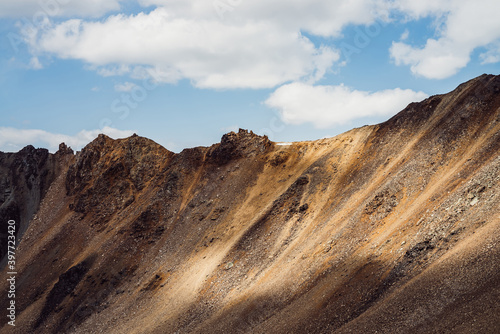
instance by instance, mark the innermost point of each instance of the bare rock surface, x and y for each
(25, 177)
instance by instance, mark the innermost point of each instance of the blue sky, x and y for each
(185, 72)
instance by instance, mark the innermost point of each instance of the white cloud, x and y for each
(466, 25)
(257, 44)
(12, 139)
(326, 106)
(423, 8)
(405, 35)
(210, 53)
(110, 71)
(492, 55)
(318, 17)
(125, 87)
(254, 44)
(437, 60)
(38, 9)
(35, 64)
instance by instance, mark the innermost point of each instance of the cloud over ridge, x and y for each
(326, 106)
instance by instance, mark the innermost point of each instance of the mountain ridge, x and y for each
(390, 227)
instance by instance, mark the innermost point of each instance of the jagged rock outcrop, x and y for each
(105, 176)
(391, 228)
(25, 177)
(236, 145)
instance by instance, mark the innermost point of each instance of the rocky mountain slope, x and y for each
(392, 228)
(25, 177)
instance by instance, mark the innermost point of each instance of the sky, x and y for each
(184, 72)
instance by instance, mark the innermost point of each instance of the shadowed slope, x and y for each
(25, 177)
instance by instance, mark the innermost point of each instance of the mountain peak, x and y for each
(239, 144)
(476, 100)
